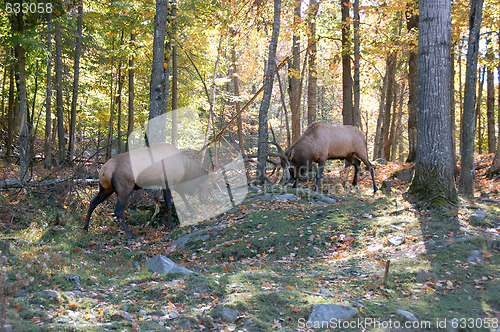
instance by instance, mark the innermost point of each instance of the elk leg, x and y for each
(167, 196)
(373, 177)
(355, 162)
(101, 197)
(321, 165)
(119, 210)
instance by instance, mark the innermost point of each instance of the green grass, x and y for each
(271, 261)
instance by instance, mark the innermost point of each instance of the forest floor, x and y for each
(261, 266)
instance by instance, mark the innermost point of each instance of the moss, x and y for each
(433, 183)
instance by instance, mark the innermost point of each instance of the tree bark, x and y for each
(131, 90)
(412, 27)
(156, 97)
(356, 88)
(490, 106)
(452, 114)
(294, 74)
(24, 153)
(236, 87)
(61, 140)
(433, 179)
(466, 182)
(118, 102)
(377, 146)
(10, 111)
(48, 97)
(266, 99)
(74, 101)
(313, 74)
(347, 104)
(175, 82)
(109, 144)
(478, 111)
(389, 97)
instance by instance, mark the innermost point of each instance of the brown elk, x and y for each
(321, 142)
(159, 165)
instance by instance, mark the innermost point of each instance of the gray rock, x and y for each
(142, 312)
(229, 315)
(74, 279)
(405, 175)
(381, 161)
(326, 313)
(48, 293)
(196, 236)
(407, 315)
(476, 257)
(5, 248)
(285, 197)
(327, 199)
(173, 314)
(161, 264)
(478, 215)
(7, 328)
(396, 240)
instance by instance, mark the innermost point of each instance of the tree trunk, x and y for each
(313, 74)
(48, 98)
(24, 153)
(10, 111)
(236, 86)
(347, 106)
(391, 77)
(266, 99)
(357, 92)
(478, 111)
(294, 74)
(452, 114)
(2, 119)
(377, 146)
(131, 90)
(495, 165)
(175, 82)
(61, 140)
(109, 141)
(433, 179)
(175, 97)
(283, 104)
(156, 97)
(118, 102)
(412, 27)
(466, 182)
(490, 107)
(74, 101)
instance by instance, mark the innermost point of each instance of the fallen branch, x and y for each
(9, 184)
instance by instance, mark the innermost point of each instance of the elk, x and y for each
(146, 167)
(321, 142)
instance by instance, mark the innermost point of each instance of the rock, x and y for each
(186, 325)
(7, 328)
(123, 314)
(48, 293)
(476, 257)
(325, 292)
(327, 199)
(21, 293)
(381, 161)
(74, 279)
(173, 314)
(407, 315)
(405, 175)
(161, 264)
(327, 313)
(396, 240)
(229, 315)
(285, 197)
(5, 248)
(191, 238)
(478, 215)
